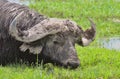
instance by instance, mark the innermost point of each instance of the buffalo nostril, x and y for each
(73, 64)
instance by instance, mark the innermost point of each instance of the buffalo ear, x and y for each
(32, 49)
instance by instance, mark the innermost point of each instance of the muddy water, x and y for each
(110, 43)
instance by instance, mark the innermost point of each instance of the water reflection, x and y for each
(110, 43)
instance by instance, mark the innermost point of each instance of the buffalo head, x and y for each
(54, 38)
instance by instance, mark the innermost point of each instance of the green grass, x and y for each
(96, 62)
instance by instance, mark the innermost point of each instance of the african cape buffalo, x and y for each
(27, 36)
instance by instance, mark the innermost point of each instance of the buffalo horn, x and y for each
(35, 33)
(88, 35)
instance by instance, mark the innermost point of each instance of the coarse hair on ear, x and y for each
(32, 49)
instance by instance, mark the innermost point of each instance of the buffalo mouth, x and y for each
(68, 64)
(73, 64)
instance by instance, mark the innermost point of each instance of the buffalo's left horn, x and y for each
(36, 32)
(88, 35)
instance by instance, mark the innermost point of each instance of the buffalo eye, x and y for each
(60, 43)
(55, 42)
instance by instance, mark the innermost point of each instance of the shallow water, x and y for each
(110, 43)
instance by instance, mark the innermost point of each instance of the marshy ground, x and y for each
(97, 61)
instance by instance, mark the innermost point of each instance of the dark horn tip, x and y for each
(92, 31)
(93, 25)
